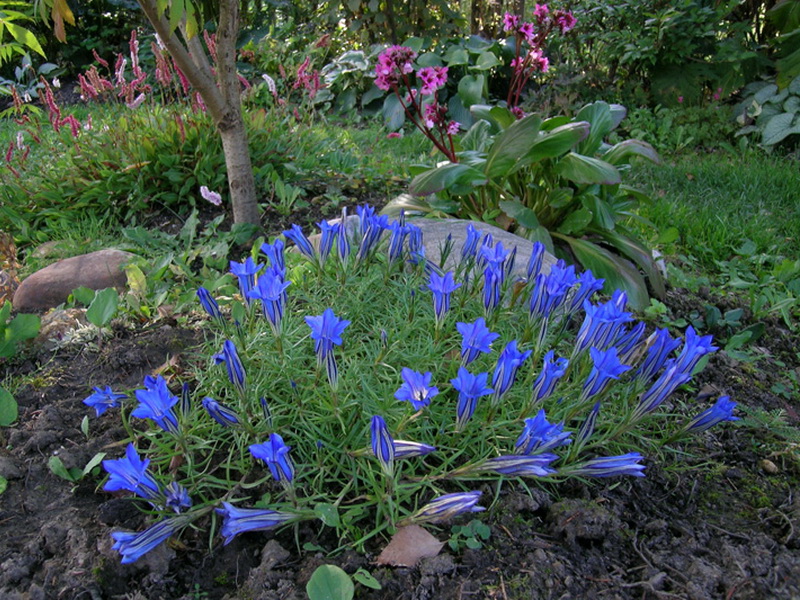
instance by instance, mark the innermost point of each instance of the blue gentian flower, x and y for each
(475, 338)
(327, 237)
(221, 413)
(492, 287)
(446, 507)
(276, 454)
(416, 250)
(627, 343)
(245, 273)
(470, 387)
(185, 402)
(587, 286)
(416, 388)
(397, 238)
(178, 498)
(493, 256)
(382, 444)
(534, 266)
(275, 256)
(103, 399)
(694, 348)
(132, 546)
(601, 325)
(406, 449)
(366, 213)
(660, 346)
(156, 402)
(271, 290)
(508, 265)
(550, 291)
(670, 380)
(605, 368)
(610, 466)
(520, 465)
(721, 411)
(442, 287)
(552, 371)
(130, 473)
(587, 428)
(301, 241)
(209, 304)
(372, 227)
(470, 247)
(343, 239)
(265, 411)
(539, 435)
(240, 520)
(326, 331)
(505, 372)
(230, 357)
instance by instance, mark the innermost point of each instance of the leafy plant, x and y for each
(14, 38)
(555, 181)
(772, 113)
(14, 331)
(472, 535)
(27, 77)
(9, 411)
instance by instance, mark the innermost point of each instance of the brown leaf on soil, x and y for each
(408, 546)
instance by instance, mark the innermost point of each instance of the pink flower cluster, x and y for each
(393, 64)
(432, 78)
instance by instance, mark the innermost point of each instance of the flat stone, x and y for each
(51, 286)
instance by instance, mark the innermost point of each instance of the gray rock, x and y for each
(50, 286)
(435, 232)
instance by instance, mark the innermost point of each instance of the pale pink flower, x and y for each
(136, 103)
(453, 127)
(56, 83)
(213, 197)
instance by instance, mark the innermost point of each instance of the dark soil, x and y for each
(722, 522)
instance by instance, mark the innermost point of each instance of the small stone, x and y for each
(768, 466)
(51, 286)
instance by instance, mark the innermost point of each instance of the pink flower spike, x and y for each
(213, 197)
(510, 22)
(565, 20)
(453, 127)
(540, 11)
(528, 31)
(137, 102)
(680, 99)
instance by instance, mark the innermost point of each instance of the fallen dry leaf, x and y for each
(408, 546)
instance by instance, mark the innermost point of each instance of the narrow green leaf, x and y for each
(96, 460)
(366, 579)
(520, 213)
(511, 145)
(620, 153)
(444, 177)
(556, 142)
(329, 582)
(57, 467)
(4, 486)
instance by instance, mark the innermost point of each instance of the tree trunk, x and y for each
(221, 97)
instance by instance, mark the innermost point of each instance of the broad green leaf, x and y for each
(778, 128)
(103, 307)
(3, 484)
(57, 467)
(415, 43)
(394, 114)
(553, 122)
(189, 229)
(329, 582)
(445, 177)
(636, 251)
(456, 55)
(617, 271)
(561, 197)
(23, 327)
(24, 37)
(587, 170)
(470, 88)
(5, 312)
(576, 222)
(598, 114)
(540, 234)
(176, 11)
(604, 216)
(557, 142)
(486, 61)
(328, 514)
(459, 112)
(371, 94)
(429, 59)
(137, 282)
(478, 136)
(520, 213)
(9, 411)
(363, 577)
(619, 153)
(499, 117)
(408, 203)
(511, 145)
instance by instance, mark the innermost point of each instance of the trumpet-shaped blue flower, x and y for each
(587, 428)
(240, 520)
(343, 239)
(605, 368)
(492, 287)
(221, 413)
(442, 287)
(276, 454)
(670, 380)
(446, 507)
(552, 371)
(534, 266)
(416, 388)
(518, 465)
(185, 401)
(601, 325)
(611, 466)
(326, 331)
(157, 403)
(539, 435)
(130, 473)
(406, 449)
(397, 238)
(301, 241)
(103, 399)
(627, 343)
(132, 546)
(505, 372)
(326, 239)
(382, 444)
(475, 338)
(271, 290)
(550, 291)
(275, 256)
(721, 411)
(493, 256)
(233, 364)
(178, 498)
(470, 387)
(209, 304)
(694, 348)
(660, 346)
(470, 248)
(372, 227)
(587, 286)
(245, 273)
